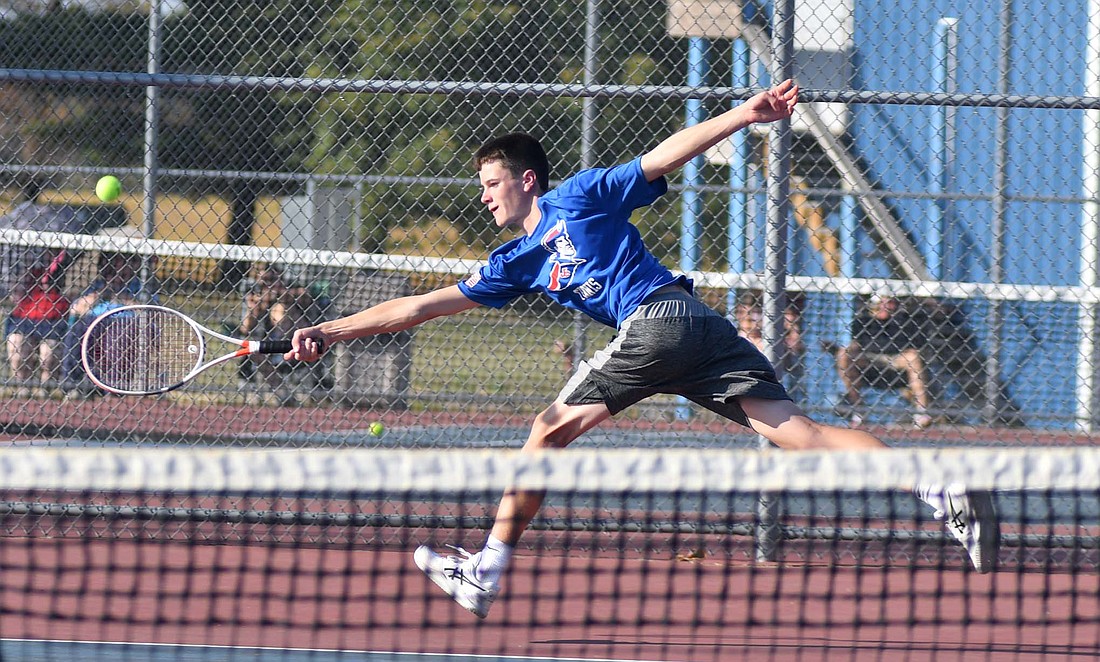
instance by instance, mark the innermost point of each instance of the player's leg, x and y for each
(784, 424)
(627, 370)
(473, 580)
(968, 515)
(556, 427)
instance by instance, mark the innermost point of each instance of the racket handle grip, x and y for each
(274, 347)
(282, 347)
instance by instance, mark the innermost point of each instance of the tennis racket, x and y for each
(146, 350)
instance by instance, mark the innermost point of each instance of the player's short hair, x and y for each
(518, 153)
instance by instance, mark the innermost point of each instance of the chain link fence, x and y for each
(933, 271)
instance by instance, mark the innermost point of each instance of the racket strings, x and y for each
(143, 350)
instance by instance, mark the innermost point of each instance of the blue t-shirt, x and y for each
(585, 254)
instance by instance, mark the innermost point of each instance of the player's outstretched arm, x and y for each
(387, 317)
(679, 148)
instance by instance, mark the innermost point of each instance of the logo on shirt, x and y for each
(589, 289)
(564, 260)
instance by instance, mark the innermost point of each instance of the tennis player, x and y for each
(579, 248)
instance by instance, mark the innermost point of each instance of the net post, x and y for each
(767, 532)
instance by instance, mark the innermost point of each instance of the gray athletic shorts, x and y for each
(675, 344)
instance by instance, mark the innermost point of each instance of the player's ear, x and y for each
(531, 182)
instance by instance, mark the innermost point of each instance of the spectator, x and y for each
(37, 322)
(118, 284)
(749, 313)
(272, 310)
(887, 342)
(565, 349)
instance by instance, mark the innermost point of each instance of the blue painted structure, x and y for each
(902, 150)
(896, 46)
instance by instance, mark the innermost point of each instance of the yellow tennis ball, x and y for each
(376, 429)
(108, 188)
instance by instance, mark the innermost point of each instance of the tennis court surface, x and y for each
(295, 554)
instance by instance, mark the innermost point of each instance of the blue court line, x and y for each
(37, 650)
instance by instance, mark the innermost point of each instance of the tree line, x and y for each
(342, 134)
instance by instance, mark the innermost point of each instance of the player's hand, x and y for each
(775, 104)
(307, 345)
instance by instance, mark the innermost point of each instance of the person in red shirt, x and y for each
(37, 322)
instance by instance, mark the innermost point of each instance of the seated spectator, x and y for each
(118, 284)
(887, 342)
(749, 313)
(37, 322)
(565, 349)
(272, 310)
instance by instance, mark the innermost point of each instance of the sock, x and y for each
(494, 559)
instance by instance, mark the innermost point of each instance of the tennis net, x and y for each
(652, 555)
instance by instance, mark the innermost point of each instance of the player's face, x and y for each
(507, 196)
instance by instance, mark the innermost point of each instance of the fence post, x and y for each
(692, 206)
(1089, 269)
(152, 144)
(940, 161)
(775, 247)
(738, 215)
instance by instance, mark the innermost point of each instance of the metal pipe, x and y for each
(942, 138)
(775, 246)
(152, 122)
(1089, 268)
(993, 405)
(692, 205)
(738, 214)
(589, 113)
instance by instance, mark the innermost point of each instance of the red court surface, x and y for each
(583, 606)
(114, 419)
(579, 605)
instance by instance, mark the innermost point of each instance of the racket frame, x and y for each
(245, 348)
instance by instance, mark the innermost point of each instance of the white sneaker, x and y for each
(458, 578)
(972, 519)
